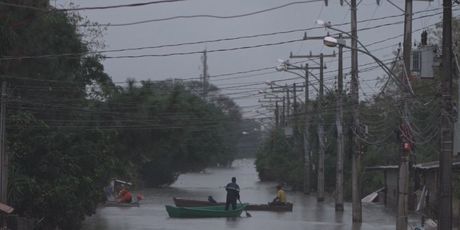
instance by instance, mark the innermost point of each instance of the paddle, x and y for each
(247, 213)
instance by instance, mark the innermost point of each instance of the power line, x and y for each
(89, 8)
(211, 16)
(79, 54)
(166, 54)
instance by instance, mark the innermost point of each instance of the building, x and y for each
(423, 184)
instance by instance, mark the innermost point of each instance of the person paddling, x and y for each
(280, 198)
(233, 194)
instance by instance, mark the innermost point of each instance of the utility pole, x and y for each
(277, 116)
(294, 116)
(445, 158)
(340, 141)
(3, 155)
(205, 74)
(294, 92)
(286, 101)
(306, 144)
(283, 115)
(403, 182)
(357, 157)
(288, 105)
(321, 136)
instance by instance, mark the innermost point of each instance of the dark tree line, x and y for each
(70, 129)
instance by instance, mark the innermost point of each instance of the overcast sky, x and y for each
(244, 87)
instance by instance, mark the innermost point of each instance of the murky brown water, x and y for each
(307, 213)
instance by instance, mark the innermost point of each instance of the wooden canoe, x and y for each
(180, 202)
(270, 207)
(118, 204)
(204, 212)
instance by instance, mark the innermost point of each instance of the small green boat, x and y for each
(206, 211)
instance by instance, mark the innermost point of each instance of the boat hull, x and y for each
(269, 207)
(203, 212)
(179, 202)
(118, 204)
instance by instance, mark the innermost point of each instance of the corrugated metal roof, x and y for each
(421, 166)
(434, 165)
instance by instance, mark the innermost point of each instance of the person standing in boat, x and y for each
(280, 198)
(233, 194)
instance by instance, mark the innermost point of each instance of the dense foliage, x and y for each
(70, 129)
(380, 116)
(169, 130)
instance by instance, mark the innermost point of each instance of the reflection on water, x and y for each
(307, 212)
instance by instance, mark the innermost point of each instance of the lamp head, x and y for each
(330, 41)
(323, 23)
(281, 68)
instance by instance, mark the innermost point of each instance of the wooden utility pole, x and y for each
(3, 155)
(357, 157)
(445, 158)
(340, 141)
(403, 180)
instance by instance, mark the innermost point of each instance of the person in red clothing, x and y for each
(125, 195)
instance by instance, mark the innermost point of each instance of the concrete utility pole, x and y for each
(306, 144)
(445, 158)
(321, 136)
(288, 105)
(403, 180)
(457, 123)
(306, 135)
(205, 74)
(340, 141)
(286, 102)
(3, 155)
(277, 115)
(283, 115)
(357, 157)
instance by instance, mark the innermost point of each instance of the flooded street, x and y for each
(307, 213)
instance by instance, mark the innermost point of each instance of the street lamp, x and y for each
(328, 25)
(333, 42)
(403, 168)
(284, 67)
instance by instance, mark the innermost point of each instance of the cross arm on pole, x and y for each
(310, 55)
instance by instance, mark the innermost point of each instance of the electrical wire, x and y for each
(208, 15)
(88, 8)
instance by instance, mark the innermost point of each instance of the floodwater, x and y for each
(307, 213)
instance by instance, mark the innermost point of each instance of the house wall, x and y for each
(430, 180)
